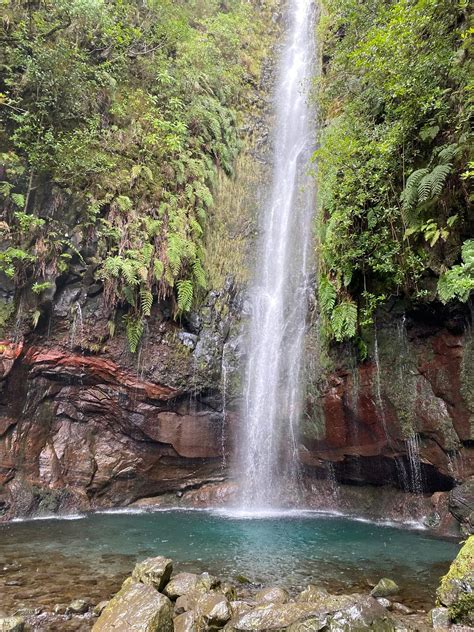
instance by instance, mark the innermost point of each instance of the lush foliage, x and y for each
(115, 118)
(394, 97)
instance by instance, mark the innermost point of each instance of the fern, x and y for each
(344, 321)
(158, 269)
(185, 294)
(448, 153)
(134, 327)
(327, 294)
(438, 178)
(146, 301)
(409, 196)
(199, 274)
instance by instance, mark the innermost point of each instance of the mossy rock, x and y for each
(136, 607)
(456, 591)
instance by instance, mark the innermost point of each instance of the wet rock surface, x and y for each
(137, 607)
(312, 609)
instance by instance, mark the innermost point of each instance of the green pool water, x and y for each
(50, 561)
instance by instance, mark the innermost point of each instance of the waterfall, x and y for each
(268, 459)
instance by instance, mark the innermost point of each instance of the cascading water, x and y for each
(272, 403)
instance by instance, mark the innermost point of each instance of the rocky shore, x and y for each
(155, 599)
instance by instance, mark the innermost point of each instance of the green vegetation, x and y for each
(116, 119)
(394, 98)
(456, 588)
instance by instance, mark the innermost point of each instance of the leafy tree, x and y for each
(394, 96)
(115, 118)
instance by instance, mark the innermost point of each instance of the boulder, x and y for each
(213, 609)
(154, 571)
(275, 616)
(12, 624)
(439, 618)
(456, 591)
(321, 599)
(364, 614)
(136, 607)
(181, 584)
(273, 594)
(185, 622)
(385, 588)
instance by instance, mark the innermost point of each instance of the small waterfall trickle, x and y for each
(416, 476)
(224, 391)
(77, 327)
(268, 459)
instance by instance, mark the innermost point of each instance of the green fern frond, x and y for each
(185, 294)
(344, 321)
(146, 301)
(327, 294)
(134, 327)
(158, 269)
(438, 178)
(199, 274)
(448, 153)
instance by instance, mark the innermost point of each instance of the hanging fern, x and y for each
(185, 295)
(344, 321)
(199, 274)
(134, 327)
(433, 183)
(327, 294)
(146, 301)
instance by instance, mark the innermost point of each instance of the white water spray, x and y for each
(268, 456)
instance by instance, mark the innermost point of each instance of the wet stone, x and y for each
(181, 584)
(154, 571)
(12, 624)
(185, 622)
(136, 607)
(213, 609)
(385, 588)
(439, 618)
(273, 594)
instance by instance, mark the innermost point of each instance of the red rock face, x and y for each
(370, 415)
(82, 431)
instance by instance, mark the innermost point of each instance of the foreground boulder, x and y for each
(213, 609)
(276, 616)
(154, 571)
(12, 624)
(456, 591)
(136, 607)
(364, 614)
(181, 584)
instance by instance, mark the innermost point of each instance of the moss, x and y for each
(456, 590)
(467, 377)
(7, 309)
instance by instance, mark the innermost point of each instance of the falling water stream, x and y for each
(272, 402)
